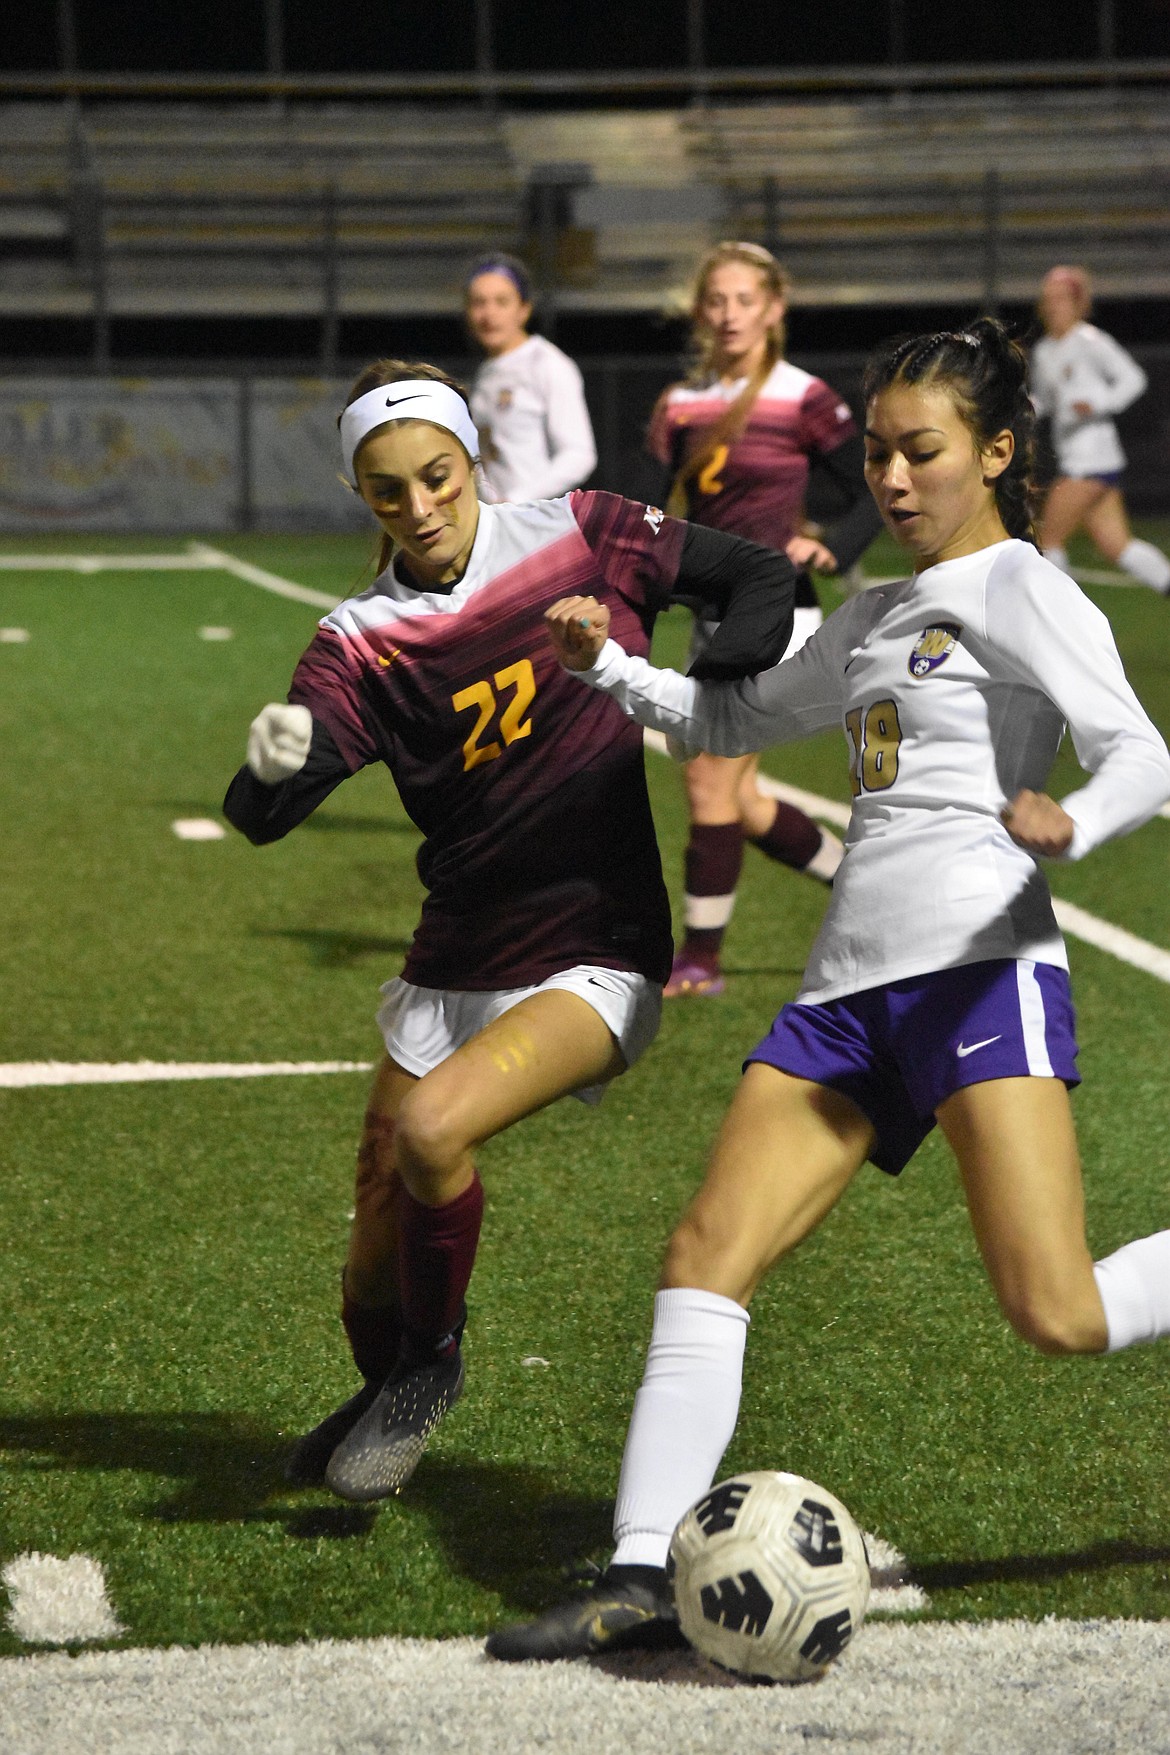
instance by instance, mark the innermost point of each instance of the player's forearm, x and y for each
(1131, 786)
(748, 589)
(720, 717)
(565, 469)
(266, 813)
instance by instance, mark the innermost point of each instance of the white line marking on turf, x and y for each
(198, 829)
(216, 634)
(14, 636)
(1125, 946)
(188, 562)
(22, 1075)
(970, 1688)
(199, 557)
(259, 576)
(58, 1602)
(891, 1589)
(1077, 922)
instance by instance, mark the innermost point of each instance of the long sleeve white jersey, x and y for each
(535, 435)
(1085, 365)
(954, 688)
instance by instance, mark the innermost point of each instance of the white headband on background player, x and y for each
(408, 399)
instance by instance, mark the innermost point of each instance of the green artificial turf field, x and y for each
(171, 1249)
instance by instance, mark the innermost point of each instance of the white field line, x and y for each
(58, 1602)
(260, 576)
(198, 557)
(892, 1591)
(188, 562)
(1077, 922)
(22, 1075)
(969, 1688)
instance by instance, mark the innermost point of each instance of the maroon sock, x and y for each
(374, 1333)
(436, 1253)
(792, 839)
(711, 867)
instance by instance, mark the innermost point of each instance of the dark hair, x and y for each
(501, 263)
(379, 372)
(985, 373)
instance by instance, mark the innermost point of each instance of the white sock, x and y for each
(1142, 561)
(683, 1419)
(1134, 1284)
(826, 859)
(706, 913)
(1059, 558)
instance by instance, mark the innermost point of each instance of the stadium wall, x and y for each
(233, 453)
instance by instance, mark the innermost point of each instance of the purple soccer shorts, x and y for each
(899, 1050)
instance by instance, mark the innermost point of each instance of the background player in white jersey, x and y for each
(734, 445)
(537, 966)
(528, 398)
(937, 989)
(1081, 377)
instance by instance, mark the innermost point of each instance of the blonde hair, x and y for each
(729, 426)
(1077, 280)
(777, 285)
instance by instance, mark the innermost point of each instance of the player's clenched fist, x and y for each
(278, 742)
(578, 628)
(1038, 824)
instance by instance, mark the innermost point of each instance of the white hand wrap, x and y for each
(278, 742)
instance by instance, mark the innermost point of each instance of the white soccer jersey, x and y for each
(1085, 365)
(535, 435)
(953, 688)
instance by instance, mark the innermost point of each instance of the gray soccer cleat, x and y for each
(381, 1452)
(626, 1607)
(308, 1459)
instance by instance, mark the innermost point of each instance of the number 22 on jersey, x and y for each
(874, 736)
(483, 698)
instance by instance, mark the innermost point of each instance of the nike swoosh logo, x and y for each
(396, 401)
(608, 986)
(963, 1050)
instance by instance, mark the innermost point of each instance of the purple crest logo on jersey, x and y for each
(933, 647)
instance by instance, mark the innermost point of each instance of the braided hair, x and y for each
(985, 374)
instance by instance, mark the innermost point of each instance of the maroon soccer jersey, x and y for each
(540, 850)
(756, 485)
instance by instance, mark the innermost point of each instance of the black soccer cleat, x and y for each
(627, 1608)
(382, 1450)
(308, 1459)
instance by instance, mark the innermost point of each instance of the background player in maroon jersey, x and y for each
(736, 441)
(537, 964)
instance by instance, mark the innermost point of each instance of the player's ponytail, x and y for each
(374, 377)
(985, 373)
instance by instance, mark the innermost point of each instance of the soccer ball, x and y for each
(771, 1577)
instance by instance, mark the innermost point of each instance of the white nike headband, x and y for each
(408, 399)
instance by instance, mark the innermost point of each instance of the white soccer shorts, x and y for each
(422, 1026)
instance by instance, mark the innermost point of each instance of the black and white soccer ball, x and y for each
(771, 1577)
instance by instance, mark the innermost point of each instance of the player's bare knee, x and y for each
(710, 1258)
(429, 1144)
(1053, 1328)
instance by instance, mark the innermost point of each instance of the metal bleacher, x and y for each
(948, 195)
(246, 209)
(328, 209)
